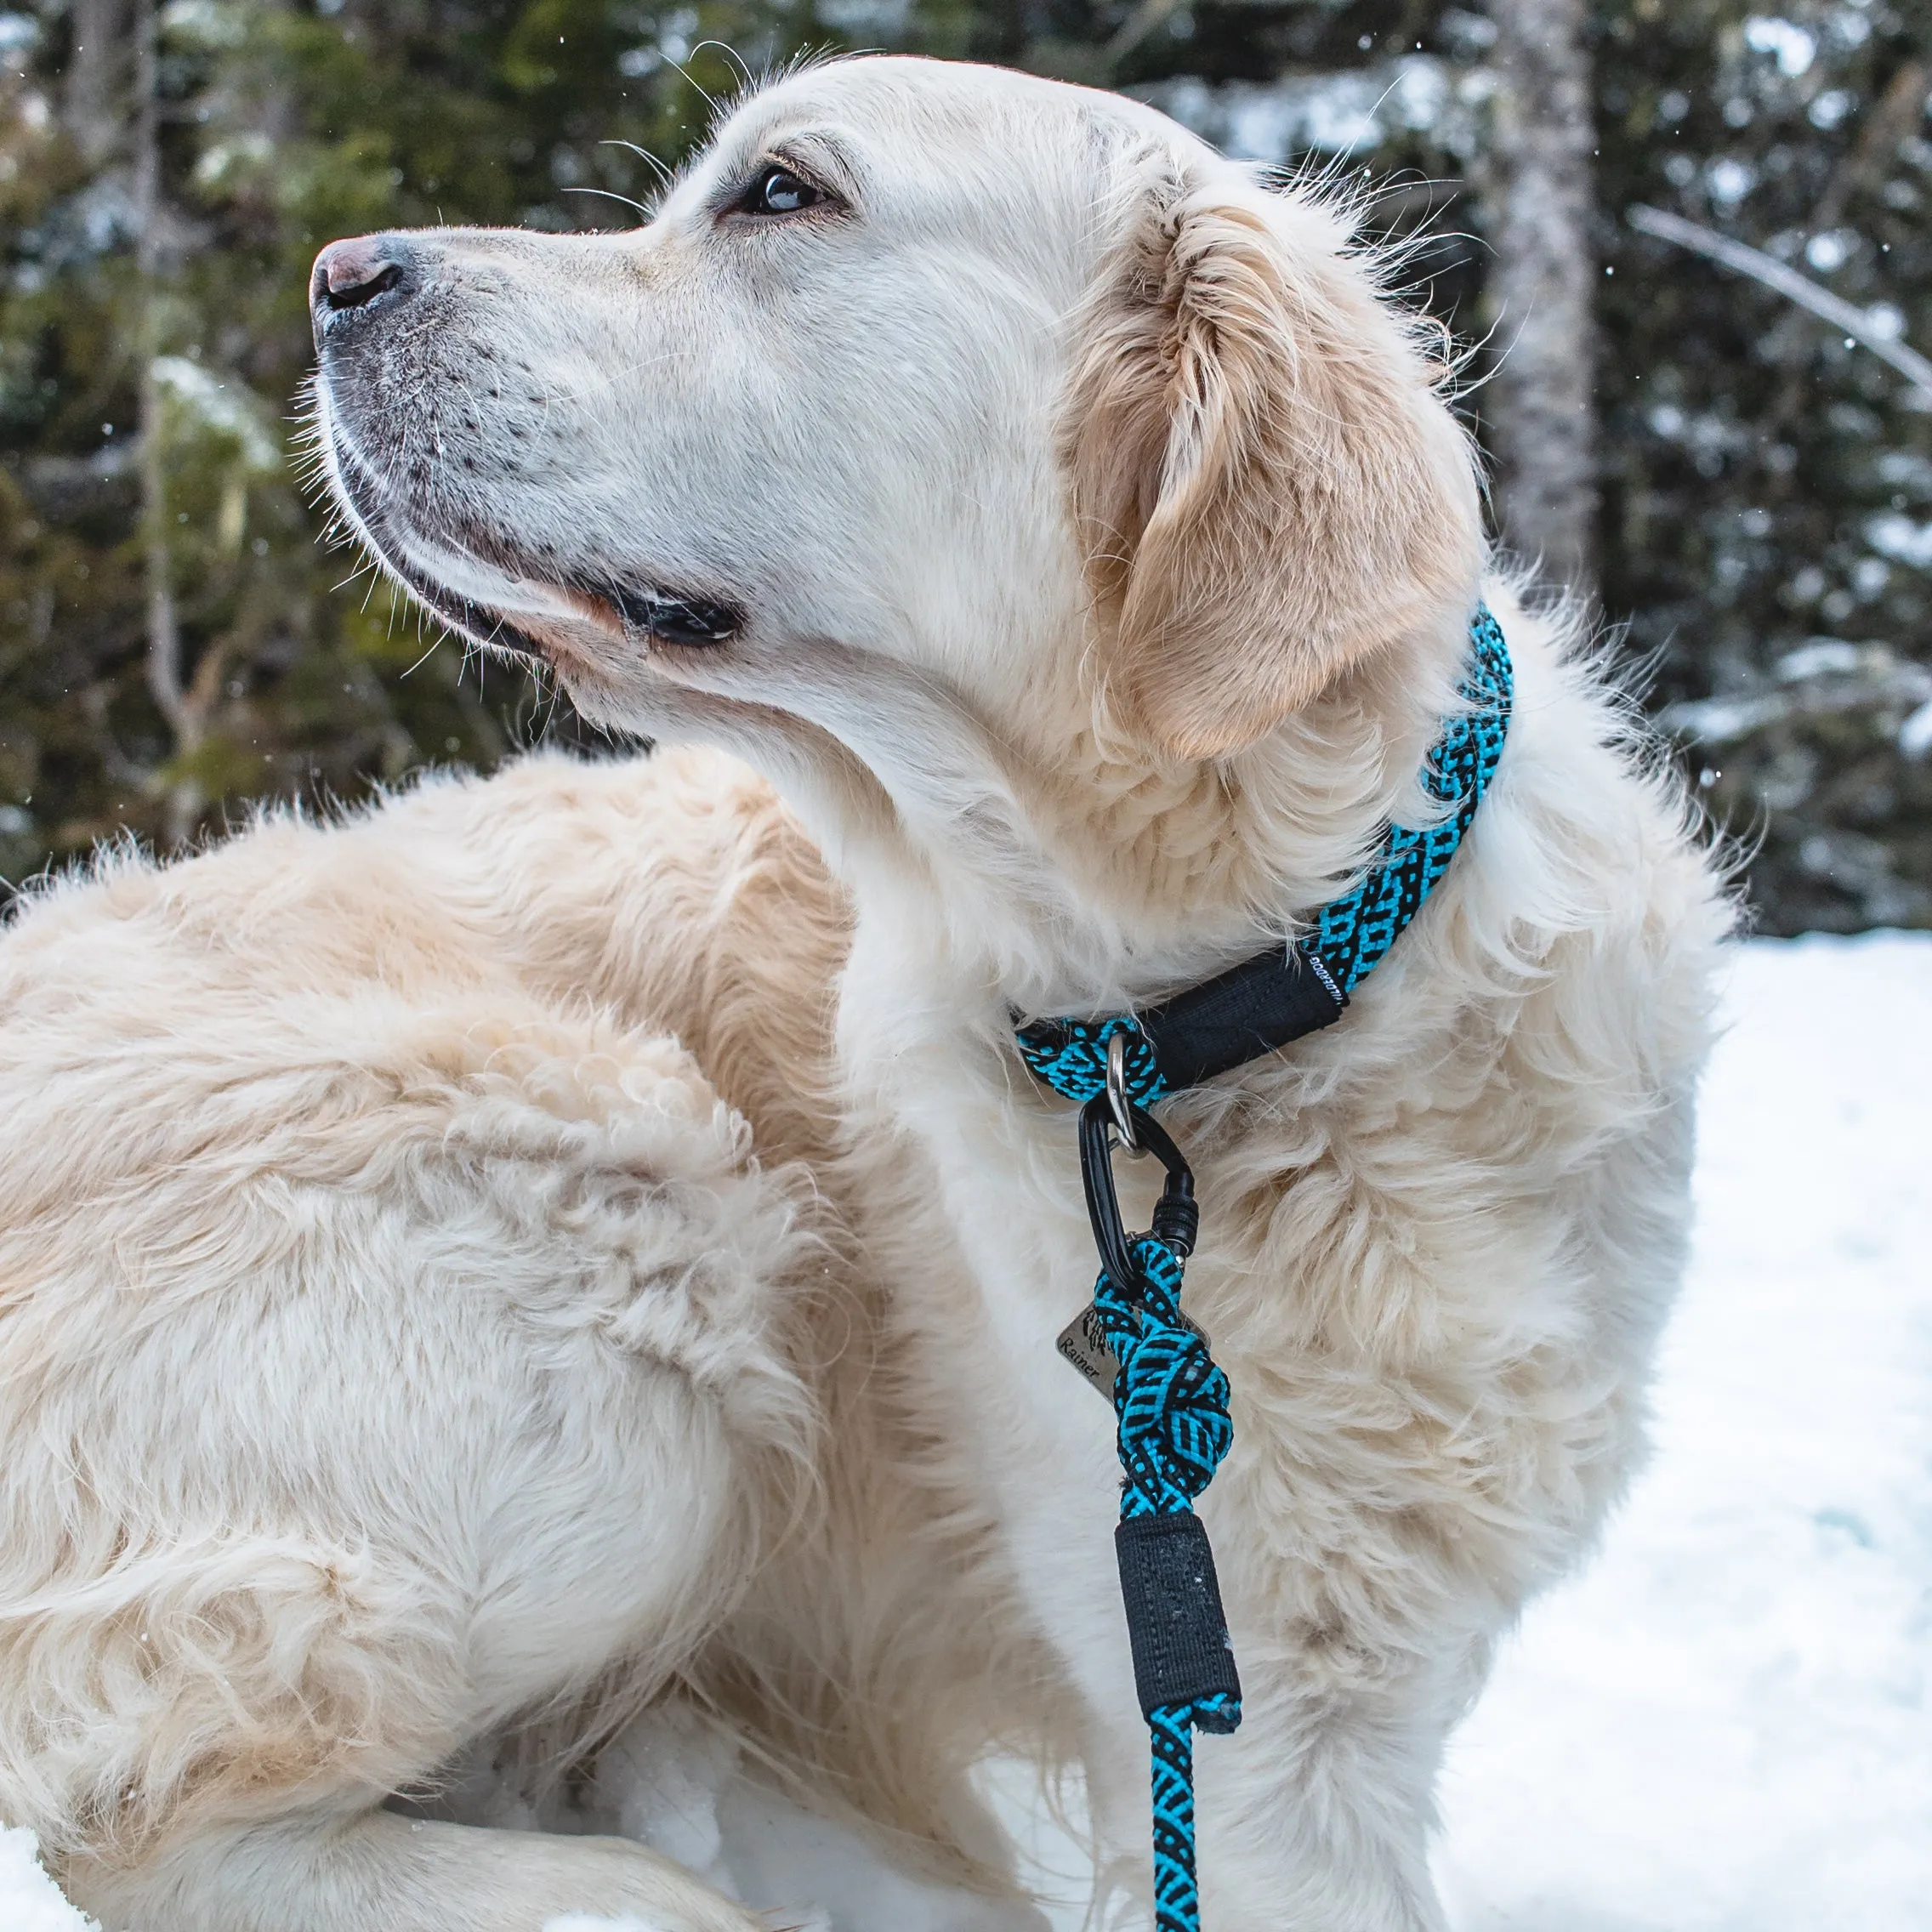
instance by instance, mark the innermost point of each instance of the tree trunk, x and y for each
(175, 702)
(1539, 406)
(95, 97)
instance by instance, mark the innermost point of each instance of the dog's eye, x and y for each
(778, 190)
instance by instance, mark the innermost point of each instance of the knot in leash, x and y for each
(1169, 1397)
(1171, 1405)
(1173, 1430)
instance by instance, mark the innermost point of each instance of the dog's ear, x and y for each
(1266, 487)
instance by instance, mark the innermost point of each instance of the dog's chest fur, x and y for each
(1437, 1240)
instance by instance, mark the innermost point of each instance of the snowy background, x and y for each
(1725, 1724)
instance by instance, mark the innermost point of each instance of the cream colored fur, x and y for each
(430, 1320)
(1105, 553)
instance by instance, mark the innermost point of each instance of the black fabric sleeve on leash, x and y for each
(1174, 1619)
(1251, 1009)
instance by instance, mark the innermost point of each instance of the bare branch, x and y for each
(1879, 681)
(1793, 286)
(1145, 19)
(1887, 124)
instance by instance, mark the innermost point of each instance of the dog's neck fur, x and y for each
(1052, 863)
(1184, 865)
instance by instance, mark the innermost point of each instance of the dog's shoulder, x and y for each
(643, 901)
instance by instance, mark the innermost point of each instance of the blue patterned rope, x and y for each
(1077, 1064)
(1170, 1399)
(1172, 1429)
(1353, 933)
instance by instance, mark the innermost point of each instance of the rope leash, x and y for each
(1172, 1402)
(1172, 1430)
(1133, 1343)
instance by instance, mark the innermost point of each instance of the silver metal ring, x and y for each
(1119, 1103)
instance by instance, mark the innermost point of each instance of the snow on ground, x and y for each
(30, 1901)
(1725, 1724)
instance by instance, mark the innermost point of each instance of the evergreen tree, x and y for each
(172, 642)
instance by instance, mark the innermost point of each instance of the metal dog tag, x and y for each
(1083, 1342)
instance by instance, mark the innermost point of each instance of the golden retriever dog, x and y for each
(1073, 533)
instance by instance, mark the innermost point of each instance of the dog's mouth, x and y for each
(544, 616)
(490, 628)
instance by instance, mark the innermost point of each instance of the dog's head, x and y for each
(943, 421)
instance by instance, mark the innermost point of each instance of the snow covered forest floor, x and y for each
(1725, 1724)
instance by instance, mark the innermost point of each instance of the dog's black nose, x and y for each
(359, 277)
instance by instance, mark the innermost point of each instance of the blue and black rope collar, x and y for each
(1170, 1400)
(1281, 995)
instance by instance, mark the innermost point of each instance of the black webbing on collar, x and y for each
(1251, 1009)
(1264, 1002)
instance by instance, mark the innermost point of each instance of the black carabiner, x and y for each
(1176, 1218)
